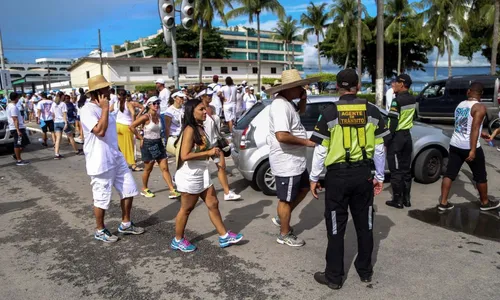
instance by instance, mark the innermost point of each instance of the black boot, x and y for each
(407, 194)
(397, 201)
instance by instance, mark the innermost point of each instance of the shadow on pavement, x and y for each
(18, 205)
(311, 215)
(165, 214)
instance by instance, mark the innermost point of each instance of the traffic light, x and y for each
(187, 11)
(167, 12)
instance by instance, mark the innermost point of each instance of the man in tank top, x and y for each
(465, 147)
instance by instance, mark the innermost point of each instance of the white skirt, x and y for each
(193, 177)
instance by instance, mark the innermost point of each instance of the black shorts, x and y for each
(25, 139)
(48, 126)
(288, 188)
(457, 159)
(153, 150)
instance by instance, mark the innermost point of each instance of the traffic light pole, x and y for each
(174, 57)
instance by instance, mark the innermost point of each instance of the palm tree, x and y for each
(446, 20)
(379, 89)
(316, 20)
(253, 8)
(359, 40)
(490, 14)
(345, 15)
(204, 15)
(402, 12)
(287, 31)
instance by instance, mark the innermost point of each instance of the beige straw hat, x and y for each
(290, 79)
(98, 82)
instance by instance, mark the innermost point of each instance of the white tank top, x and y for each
(125, 117)
(463, 125)
(152, 131)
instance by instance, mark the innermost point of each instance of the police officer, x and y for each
(349, 139)
(400, 146)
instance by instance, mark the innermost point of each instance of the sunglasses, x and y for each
(156, 103)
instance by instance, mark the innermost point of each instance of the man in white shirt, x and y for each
(240, 103)
(249, 98)
(105, 164)
(229, 91)
(45, 118)
(389, 96)
(164, 96)
(17, 128)
(217, 94)
(113, 99)
(287, 156)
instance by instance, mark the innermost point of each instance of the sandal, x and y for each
(136, 169)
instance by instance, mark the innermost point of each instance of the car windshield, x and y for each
(248, 116)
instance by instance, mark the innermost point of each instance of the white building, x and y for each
(128, 72)
(33, 75)
(242, 43)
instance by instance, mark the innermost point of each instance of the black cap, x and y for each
(347, 79)
(404, 78)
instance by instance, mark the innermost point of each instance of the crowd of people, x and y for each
(351, 140)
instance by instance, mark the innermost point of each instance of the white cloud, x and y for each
(456, 60)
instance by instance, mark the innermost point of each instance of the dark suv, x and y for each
(439, 99)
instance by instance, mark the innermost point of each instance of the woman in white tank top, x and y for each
(152, 147)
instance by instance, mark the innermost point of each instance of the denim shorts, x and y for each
(59, 126)
(153, 150)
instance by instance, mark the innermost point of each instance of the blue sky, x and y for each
(72, 25)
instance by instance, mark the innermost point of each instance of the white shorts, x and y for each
(119, 177)
(229, 113)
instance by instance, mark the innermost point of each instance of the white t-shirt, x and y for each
(58, 110)
(250, 100)
(101, 153)
(389, 96)
(45, 106)
(13, 111)
(216, 102)
(286, 160)
(113, 99)
(229, 94)
(176, 115)
(164, 96)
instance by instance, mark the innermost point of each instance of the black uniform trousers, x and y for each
(399, 160)
(350, 187)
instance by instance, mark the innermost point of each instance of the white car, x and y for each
(5, 139)
(251, 151)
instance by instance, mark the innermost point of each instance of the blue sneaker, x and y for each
(183, 245)
(105, 236)
(232, 238)
(132, 229)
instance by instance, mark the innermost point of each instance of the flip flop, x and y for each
(136, 169)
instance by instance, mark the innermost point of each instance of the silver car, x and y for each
(5, 139)
(251, 151)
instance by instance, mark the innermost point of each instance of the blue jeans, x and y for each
(163, 131)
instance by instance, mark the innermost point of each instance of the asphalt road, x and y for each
(48, 251)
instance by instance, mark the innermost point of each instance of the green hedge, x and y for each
(145, 87)
(369, 97)
(324, 77)
(268, 80)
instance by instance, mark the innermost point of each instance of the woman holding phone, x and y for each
(193, 178)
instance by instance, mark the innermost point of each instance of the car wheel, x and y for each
(494, 124)
(265, 180)
(428, 166)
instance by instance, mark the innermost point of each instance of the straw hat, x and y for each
(290, 79)
(98, 82)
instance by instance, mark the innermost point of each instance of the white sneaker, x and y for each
(231, 196)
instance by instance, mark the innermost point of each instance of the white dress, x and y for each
(193, 176)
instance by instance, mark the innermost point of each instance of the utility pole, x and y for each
(100, 49)
(48, 76)
(379, 83)
(2, 58)
(174, 58)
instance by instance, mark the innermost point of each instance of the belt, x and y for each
(403, 130)
(350, 165)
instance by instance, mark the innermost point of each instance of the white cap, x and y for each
(160, 81)
(208, 92)
(183, 89)
(179, 94)
(152, 100)
(252, 88)
(244, 82)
